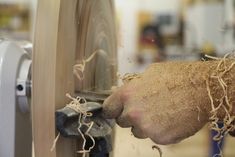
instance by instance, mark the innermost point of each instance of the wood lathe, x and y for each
(66, 33)
(15, 94)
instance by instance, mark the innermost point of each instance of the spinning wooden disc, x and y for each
(67, 33)
(96, 36)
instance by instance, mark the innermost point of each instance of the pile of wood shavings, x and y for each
(224, 103)
(77, 104)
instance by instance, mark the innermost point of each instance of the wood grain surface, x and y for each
(66, 33)
(97, 33)
(53, 59)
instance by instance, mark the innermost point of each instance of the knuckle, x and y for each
(124, 96)
(133, 115)
(112, 107)
(125, 93)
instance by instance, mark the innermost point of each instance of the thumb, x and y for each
(112, 106)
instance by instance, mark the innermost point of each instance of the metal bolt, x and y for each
(20, 87)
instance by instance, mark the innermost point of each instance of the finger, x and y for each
(232, 132)
(138, 133)
(112, 106)
(124, 121)
(131, 116)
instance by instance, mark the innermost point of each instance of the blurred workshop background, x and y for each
(152, 31)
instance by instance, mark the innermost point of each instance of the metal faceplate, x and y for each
(15, 130)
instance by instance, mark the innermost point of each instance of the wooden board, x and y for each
(53, 59)
(64, 35)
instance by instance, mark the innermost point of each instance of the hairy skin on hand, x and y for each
(168, 102)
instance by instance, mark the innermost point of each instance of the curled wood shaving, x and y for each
(158, 149)
(212, 57)
(128, 77)
(55, 142)
(77, 104)
(78, 69)
(224, 103)
(199, 111)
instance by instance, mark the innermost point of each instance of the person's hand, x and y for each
(166, 103)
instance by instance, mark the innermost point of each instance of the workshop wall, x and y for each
(127, 13)
(211, 23)
(18, 19)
